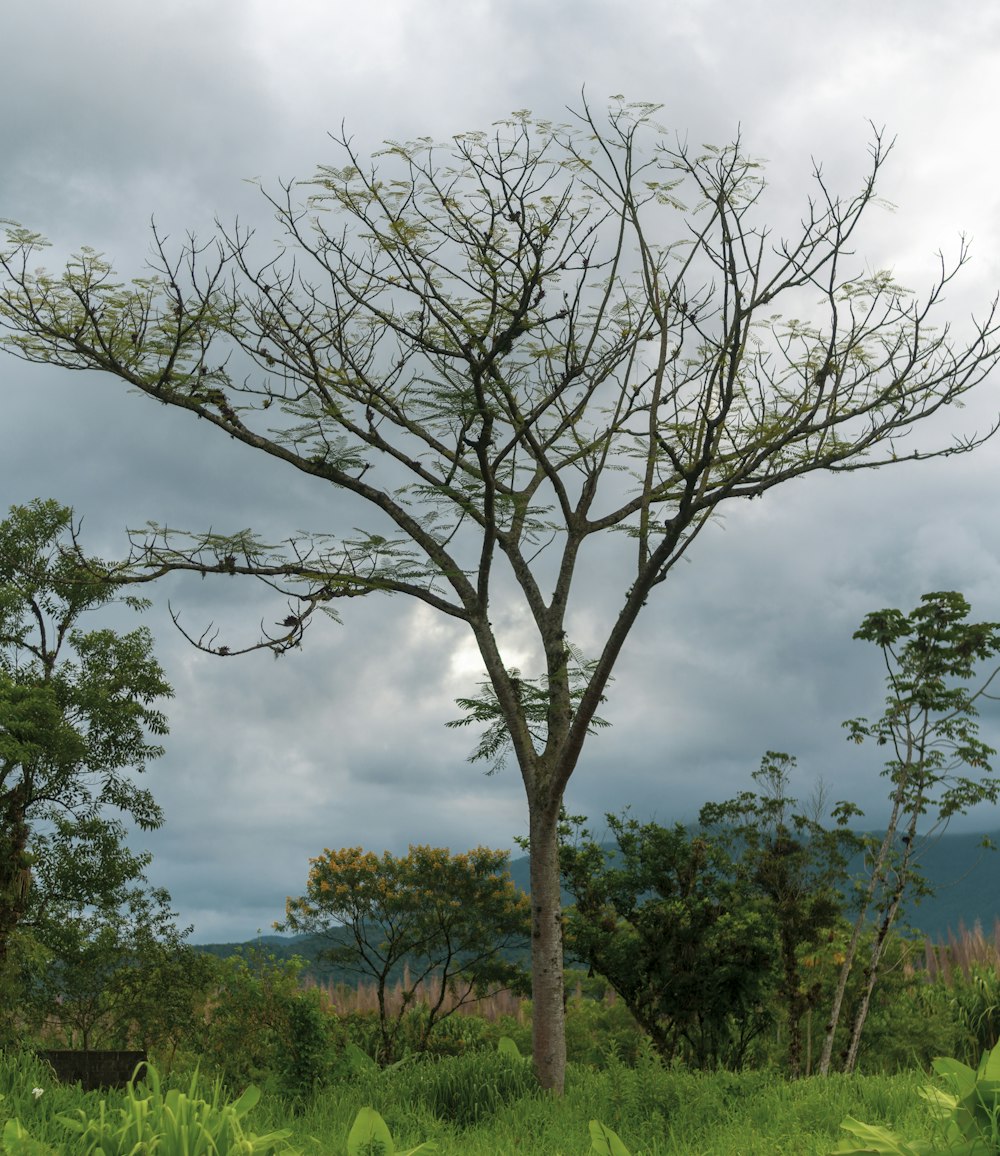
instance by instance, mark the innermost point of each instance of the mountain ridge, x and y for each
(964, 876)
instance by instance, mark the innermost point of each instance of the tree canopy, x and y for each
(447, 919)
(78, 716)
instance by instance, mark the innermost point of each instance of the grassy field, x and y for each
(315, 1073)
(484, 1105)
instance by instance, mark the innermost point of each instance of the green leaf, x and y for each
(17, 1141)
(358, 1060)
(875, 1139)
(369, 1135)
(605, 1142)
(247, 1101)
(942, 1104)
(507, 1047)
(959, 1077)
(989, 1069)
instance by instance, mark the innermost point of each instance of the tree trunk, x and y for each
(871, 975)
(875, 884)
(548, 1018)
(15, 874)
(793, 1010)
(879, 945)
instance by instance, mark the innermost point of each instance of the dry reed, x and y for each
(345, 998)
(962, 952)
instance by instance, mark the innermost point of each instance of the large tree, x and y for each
(504, 349)
(668, 919)
(77, 712)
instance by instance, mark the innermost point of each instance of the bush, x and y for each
(262, 1028)
(460, 1090)
(595, 1026)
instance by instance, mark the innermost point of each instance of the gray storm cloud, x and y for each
(129, 111)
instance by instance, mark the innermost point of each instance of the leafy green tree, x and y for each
(76, 712)
(262, 1026)
(119, 974)
(799, 868)
(931, 656)
(447, 918)
(502, 350)
(666, 919)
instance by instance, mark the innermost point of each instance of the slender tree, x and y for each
(504, 348)
(931, 656)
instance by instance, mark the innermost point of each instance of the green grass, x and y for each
(484, 1105)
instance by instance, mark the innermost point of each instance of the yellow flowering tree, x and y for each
(431, 924)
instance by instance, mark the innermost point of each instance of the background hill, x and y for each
(965, 878)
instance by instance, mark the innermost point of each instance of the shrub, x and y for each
(461, 1090)
(263, 1028)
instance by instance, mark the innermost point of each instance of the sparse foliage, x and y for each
(504, 348)
(932, 655)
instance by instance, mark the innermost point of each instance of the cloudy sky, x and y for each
(119, 111)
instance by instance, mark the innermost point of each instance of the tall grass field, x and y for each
(270, 1064)
(484, 1104)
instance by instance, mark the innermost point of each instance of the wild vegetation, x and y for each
(452, 917)
(714, 954)
(470, 1093)
(79, 720)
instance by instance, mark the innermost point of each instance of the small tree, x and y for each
(119, 974)
(263, 1025)
(799, 868)
(76, 709)
(502, 350)
(930, 726)
(428, 921)
(681, 938)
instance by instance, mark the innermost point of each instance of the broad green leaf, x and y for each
(874, 1140)
(943, 1104)
(605, 1142)
(990, 1068)
(247, 1101)
(358, 1060)
(960, 1077)
(18, 1142)
(369, 1135)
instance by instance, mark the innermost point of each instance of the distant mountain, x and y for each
(286, 947)
(965, 879)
